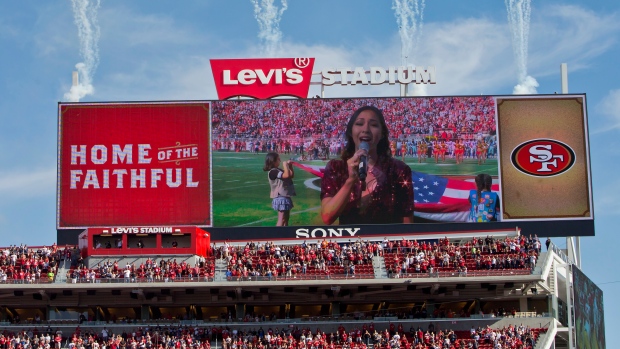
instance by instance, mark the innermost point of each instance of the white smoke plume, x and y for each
(519, 12)
(526, 87)
(409, 17)
(85, 17)
(268, 16)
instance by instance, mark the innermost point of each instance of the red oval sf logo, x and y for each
(543, 157)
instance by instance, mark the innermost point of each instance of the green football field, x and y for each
(241, 189)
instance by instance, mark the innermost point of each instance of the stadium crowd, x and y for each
(150, 270)
(317, 125)
(270, 260)
(402, 257)
(24, 264)
(411, 257)
(286, 337)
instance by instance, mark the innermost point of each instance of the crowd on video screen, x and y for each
(299, 126)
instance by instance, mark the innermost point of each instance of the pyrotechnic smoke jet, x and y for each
(409, 17)
(268, 16)
(85, 17)
(519, 20)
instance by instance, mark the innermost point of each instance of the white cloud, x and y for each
(54, 37)
(569, 34)
(126, 28)
(7, 30)
(607, 200)
(609, 107)
(471, 55)
(27, 183)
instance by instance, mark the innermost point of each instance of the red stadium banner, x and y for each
(262, 78)
(134, 164)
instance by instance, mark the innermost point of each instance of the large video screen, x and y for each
(445, 143)
(432, 164)
(124, 164)
(589, 312)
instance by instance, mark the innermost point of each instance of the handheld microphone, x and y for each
(363, 166)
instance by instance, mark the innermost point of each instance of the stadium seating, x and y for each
(402, 258)
(28, 265)
(164, 270)
(360, 336)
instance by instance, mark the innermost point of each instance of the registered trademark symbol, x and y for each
(302, 62)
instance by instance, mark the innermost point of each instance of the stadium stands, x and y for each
(361, 335)
(147, 270)
(292, 125)
(173, 325)
(31, 265)
(402, 258)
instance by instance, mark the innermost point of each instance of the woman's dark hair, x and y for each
(383, 147)
(270, 161)
(483, 182)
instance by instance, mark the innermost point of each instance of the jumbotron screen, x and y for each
(131, 164)
(589, 312)
(460, 161)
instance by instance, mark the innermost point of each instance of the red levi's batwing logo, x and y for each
(543, 157)
(262, 78)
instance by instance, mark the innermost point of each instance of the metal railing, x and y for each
(470, 273)
(138, 280)
(299, 277)
(42, 280)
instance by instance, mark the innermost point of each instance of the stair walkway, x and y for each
(61, 273)
(220, 270)
(378, 265)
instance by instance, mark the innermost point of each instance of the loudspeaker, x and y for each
(149, 295)
(216, 291)
(509, 285)
(387, 287)
(460, 286)
(231, 294)
(362, 288)
(37, 296)
(165, 291)
(116, 292)
(91, 292)
(264, 290)
(246, 294)
(426, 290)
(411, 287)
(189, 291)
(288, 289)
(484, 285)
(68, 293)
(492, 287)
(133, 295)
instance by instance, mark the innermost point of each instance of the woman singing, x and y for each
(386, 197)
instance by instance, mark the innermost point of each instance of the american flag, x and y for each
(437, 198)
(442, 198)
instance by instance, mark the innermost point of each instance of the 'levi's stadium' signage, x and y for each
(132, 164)
(262, 78)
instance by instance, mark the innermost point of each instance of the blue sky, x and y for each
(160, 50)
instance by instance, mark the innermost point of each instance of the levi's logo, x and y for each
(262, 77)
(543, 157)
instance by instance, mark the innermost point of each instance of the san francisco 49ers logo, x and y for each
(543, 157)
